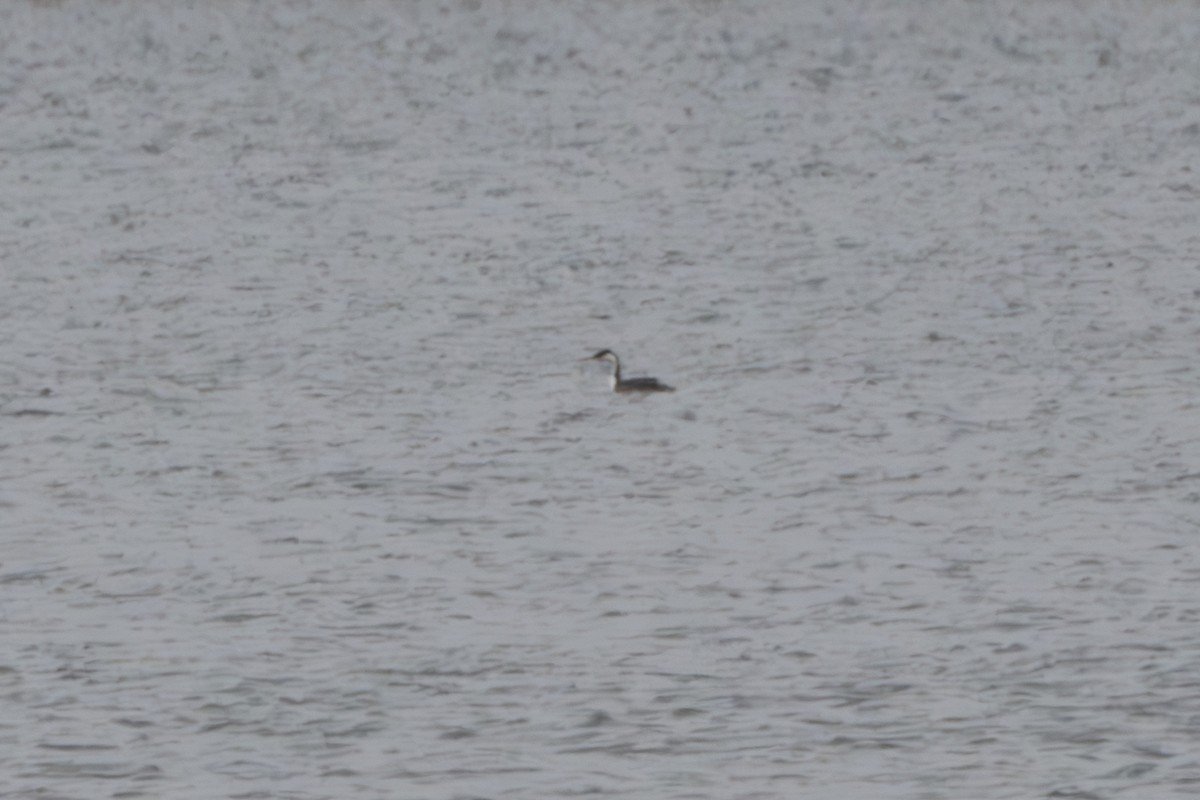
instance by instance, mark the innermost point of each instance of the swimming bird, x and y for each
(620, 384)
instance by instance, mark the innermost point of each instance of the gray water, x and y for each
(306, 494)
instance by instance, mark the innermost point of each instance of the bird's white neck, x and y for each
(616, 364)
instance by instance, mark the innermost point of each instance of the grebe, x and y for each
(620, 384)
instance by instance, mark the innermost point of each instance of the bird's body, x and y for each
(628, 385)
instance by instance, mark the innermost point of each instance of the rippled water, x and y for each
(306, 493)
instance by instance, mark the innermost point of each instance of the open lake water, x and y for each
(305, 492)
